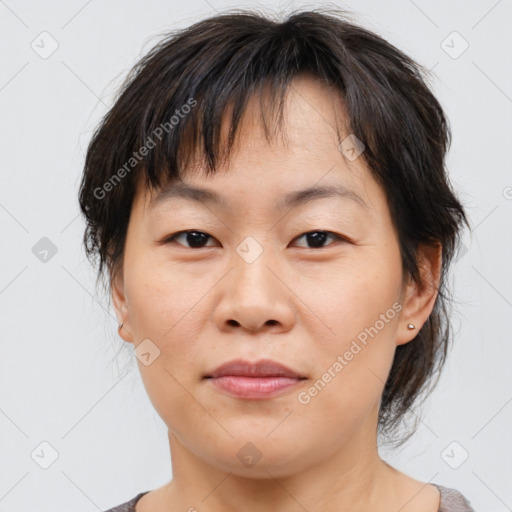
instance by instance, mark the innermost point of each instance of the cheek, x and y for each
(165, 307)
(164, 299)
(351, 298)
(352, 370)
(357, 313)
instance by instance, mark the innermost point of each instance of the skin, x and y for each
(296, 304)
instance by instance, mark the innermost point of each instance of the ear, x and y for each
(418, 299)
(121, 306)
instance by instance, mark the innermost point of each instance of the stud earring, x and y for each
(119, 328)
(411, 326)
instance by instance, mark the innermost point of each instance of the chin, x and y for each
(259, 456)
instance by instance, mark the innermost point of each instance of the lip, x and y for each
(256, 380)
(261, 368)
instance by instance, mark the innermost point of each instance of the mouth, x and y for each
(257, 380)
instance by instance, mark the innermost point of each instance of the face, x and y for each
(313, 284)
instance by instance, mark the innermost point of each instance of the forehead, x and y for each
(305, 158)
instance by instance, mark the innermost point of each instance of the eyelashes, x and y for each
(196, 238)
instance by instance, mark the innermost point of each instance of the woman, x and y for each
(269, 204)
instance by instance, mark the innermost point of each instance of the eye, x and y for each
(318, 238)
(195, 239)
(198, 239)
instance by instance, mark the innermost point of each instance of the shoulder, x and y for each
(129, 506)
(453, 501)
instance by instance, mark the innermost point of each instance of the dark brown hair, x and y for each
(224, 60)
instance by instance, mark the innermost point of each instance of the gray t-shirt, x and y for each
(451, 501)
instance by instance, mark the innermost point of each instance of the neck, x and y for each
(352, 478)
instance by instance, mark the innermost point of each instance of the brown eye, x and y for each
(317, 239)
(195, 239)
(192, 239)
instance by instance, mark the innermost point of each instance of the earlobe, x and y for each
(419, 298)
(120, 307)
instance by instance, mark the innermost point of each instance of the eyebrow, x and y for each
(290, 200)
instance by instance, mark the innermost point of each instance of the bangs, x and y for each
(192, 116)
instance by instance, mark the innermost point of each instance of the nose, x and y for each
(255, 297)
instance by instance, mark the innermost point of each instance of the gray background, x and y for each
(62, 380)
